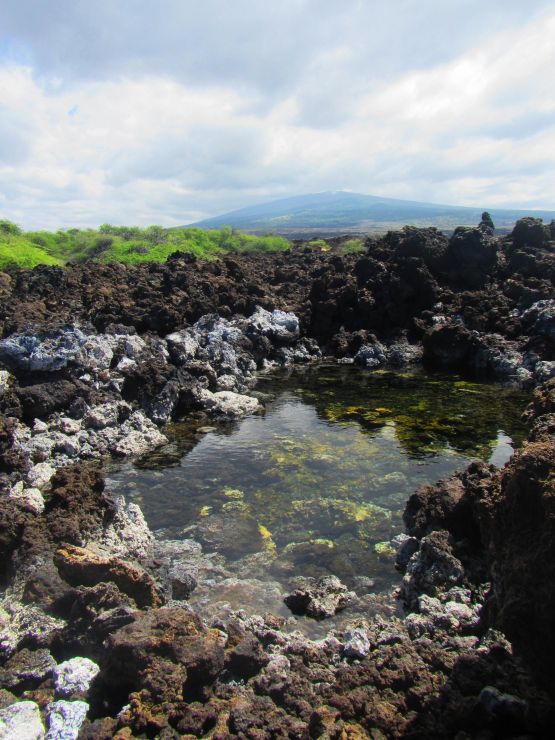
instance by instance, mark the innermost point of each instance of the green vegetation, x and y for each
(127, 244)
(17, 250)
(352, 246)
(320, 244)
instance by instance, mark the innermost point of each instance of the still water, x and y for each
(318, 482)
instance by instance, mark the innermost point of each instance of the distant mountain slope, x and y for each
(343, 211)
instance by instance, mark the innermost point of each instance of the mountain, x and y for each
(341, 212)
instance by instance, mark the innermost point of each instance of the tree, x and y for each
(9, 229)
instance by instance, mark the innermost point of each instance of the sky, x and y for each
(169, 111)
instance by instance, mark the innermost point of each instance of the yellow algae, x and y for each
(205, 511)
(319, 542)
(234, 493)
(384, 550)
(269, 544)
(237, 506)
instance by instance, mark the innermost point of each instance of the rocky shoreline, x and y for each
(96, 635)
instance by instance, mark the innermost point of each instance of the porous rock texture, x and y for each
(95, 359)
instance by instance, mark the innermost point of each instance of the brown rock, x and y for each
(523, 545)
(80, 566)
(166, 652)
(77, 507)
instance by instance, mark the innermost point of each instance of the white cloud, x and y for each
(473, 124)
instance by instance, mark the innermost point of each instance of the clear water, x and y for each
(317, 484)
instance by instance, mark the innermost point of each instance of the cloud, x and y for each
(111, 112)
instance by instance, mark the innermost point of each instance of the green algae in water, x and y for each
(318, 483)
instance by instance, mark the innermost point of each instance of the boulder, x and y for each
(228, 404)
(247, 658)
(65, 719)
(320, 598)
(530, 232)
(82, 567)
(371, 355)
(74, 677)
(357, 645)
(432, 569)
(167, 651)
(447, 346)
(21, 721)
(540, 319)
(278, 326)
(471, 257)
(26, 669)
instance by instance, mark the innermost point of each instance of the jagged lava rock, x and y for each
(82, 567)
(168, 649)
(65, 719)
(21, 721)
(26, 669)
(320, 598)
(74, 677)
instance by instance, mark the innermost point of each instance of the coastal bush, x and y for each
(320, 244)
(16, 251)
(352, 246)
(126, 244)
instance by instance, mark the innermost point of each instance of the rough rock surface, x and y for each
(81, 567)
(74, 677)
(65, 719)
(27, 669)
(320, 598)
(95, 358)
(21, 721)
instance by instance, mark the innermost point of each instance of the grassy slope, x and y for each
(17, 251)
(130, 245)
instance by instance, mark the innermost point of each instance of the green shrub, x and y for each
(16, 251)
(319, 244)
(9, 228)
(128, 244)
(352, 246)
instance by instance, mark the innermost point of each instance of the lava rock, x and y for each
(357, 645)
(432, 569)
(21, 721)
(167, 651)
(182, 582)
(320, 598)
(530, 232)
(65, 719)
(27, 669)
(74, 677)
(82, 567)
(247, 658)
(228, 404)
